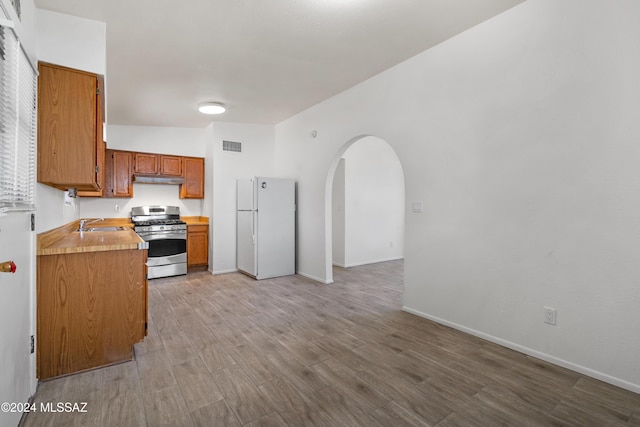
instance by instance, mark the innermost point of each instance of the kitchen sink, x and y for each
(104, 229)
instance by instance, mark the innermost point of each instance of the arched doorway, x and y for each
(364, 205)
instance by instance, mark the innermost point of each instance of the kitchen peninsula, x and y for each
(92, 297)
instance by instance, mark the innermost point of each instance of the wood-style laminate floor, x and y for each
(230, 351)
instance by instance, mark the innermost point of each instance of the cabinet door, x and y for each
(171, 165)
(68, 118)
(108, 174)
(145, 163)
(193, 172)
(91, 309)
(101, 148)
(118, 174)
(122, 185)
(197, 245)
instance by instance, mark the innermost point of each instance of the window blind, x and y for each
(17, 125)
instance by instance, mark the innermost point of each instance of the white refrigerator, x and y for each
(266, 240)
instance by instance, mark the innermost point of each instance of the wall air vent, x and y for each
(231, 146)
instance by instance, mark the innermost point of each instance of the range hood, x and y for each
(158, 179)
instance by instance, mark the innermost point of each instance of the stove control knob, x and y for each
(162, 227)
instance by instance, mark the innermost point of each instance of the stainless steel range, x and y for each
(166, 233)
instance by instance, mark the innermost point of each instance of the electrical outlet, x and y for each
(550, 315)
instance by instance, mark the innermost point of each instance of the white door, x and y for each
(17, 313)
(245, 242)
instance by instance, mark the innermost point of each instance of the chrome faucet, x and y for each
(84, 222)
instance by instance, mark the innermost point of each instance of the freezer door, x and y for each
(275, 227)
(246, 194)
(246, 244)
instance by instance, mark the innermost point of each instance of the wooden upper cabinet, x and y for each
(193, 174)
(170, 165)
(118, 174)
(145, 163)
(120, 167)
(101, 148)
(122, 183)
(70, 118)
(157, 164)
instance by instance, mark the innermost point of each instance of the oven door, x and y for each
(166, 247)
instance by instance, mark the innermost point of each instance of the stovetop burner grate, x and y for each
(159, 222)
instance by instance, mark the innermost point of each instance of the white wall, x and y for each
(520, 137)
(143, 195)
(367, 205)
(207, 207)
(77, 43)
(374, 203)
(72, 42)
(256, 159)
(338, 202)
(161, 140)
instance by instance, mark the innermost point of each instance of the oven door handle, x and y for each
(163, 235)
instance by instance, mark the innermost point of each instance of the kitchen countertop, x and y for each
(195, 220)
(66, 240)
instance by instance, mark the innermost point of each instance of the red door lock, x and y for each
(8, 267)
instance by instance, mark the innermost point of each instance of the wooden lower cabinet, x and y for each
(197, 247)
(91, 309)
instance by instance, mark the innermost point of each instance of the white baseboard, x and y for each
(618, 382)
(375, 261)
(314, 278)
(233, 270)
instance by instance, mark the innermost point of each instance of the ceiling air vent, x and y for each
(232, 146)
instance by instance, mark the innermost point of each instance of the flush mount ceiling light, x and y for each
(211, 108)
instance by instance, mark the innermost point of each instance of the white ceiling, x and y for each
(265, 59)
